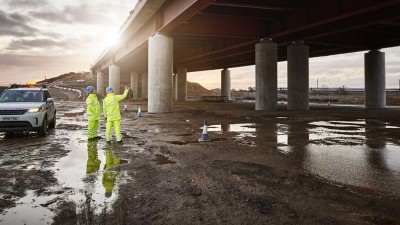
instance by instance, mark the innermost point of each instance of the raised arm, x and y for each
(123, 96)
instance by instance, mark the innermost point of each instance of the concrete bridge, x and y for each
(162, 40)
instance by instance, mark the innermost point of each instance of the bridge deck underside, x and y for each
(223, 34)
(220, 34)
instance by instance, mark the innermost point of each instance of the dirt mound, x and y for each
(70, 80)
(195, 89)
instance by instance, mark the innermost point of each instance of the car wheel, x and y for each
(43, 129)
(52, 124)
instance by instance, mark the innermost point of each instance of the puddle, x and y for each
(73, 120)
(28, 211)
(354, 152)
(239, 127)
(178, 142)
(345, 152)
(241, 141)
(162, 160)
(74, 113)
(89, 174)
(244, 131)
(356, 165)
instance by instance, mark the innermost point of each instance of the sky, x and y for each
(41, 38)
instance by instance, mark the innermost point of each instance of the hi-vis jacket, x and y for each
(93, 108)
(111, 106)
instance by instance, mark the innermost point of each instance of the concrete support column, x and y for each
(101, 89)
(375, 80)
(298, 76)
(266, 75)
(145, 85)
(139, 87)
(134, 85)
(114, 78)
(182, 85)
(91, 74)
(160, 74)
(175, 86)
(226, 83)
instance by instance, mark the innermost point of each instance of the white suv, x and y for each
(27, 109)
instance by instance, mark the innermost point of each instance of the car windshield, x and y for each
(21, 96)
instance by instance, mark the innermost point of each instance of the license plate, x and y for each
(10, 118)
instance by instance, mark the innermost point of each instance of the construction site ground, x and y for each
(329, 165)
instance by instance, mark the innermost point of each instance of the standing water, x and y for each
(357, 153)
(88, 177)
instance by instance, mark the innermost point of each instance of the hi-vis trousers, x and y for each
(117, 129)
(92, 129)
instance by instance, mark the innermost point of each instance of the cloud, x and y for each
(26, 3)
(54, 17)
(49, 46)
(393, 70)
(82, 13)
(15, 24)
(19, 68)
(15, 60)
(35, 43)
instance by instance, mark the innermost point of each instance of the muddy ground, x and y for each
(261, 173)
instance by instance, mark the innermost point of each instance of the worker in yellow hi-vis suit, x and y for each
(112, 113)
(93, 113)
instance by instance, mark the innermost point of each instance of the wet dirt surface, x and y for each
(336, 166)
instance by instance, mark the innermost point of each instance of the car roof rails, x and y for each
(15, 86)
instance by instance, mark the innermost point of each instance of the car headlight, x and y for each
(34, 110)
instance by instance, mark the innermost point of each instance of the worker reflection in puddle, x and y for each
(110, 175)
(93, 163)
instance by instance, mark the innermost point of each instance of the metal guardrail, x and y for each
(341, 90)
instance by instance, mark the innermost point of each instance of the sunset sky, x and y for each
(41, 38)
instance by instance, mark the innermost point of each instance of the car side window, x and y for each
(46, 95)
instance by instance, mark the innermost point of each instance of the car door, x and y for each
(49, 106)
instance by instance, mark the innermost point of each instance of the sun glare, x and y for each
(111, 40)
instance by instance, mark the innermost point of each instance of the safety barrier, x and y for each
(79, 92)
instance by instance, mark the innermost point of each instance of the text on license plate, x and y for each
(8, 118)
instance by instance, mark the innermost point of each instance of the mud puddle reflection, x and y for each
(88, 176)
(355, 152)
(162, 160)
(244, 130)
(345, 152)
